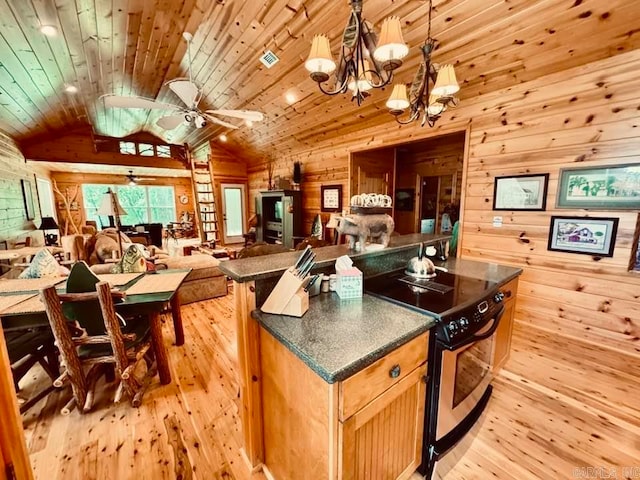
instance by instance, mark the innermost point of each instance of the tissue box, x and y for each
(349, 284)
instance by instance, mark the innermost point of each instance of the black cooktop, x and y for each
(444, 293)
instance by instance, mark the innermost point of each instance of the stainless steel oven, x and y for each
(461, 346)
(465, 377)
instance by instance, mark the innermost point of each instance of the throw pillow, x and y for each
(132, 262)
(43, 265)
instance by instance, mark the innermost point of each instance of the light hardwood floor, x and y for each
(557, 406)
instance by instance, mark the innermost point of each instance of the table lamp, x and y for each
(49, 223)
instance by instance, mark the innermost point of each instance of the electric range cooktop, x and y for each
(446, 292)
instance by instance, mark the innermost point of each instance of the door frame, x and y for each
(243, 196)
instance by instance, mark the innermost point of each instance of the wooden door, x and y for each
(384, 438)
(373, 172)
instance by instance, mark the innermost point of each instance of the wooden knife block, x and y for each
(287, 297)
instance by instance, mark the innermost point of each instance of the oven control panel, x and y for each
(470, 320)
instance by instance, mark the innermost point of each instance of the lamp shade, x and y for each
(446, 82)
(435, 107)
(110, 205)
(365, 80)
(391, 45)
(48, 223)
(398, 99)
(320, 59)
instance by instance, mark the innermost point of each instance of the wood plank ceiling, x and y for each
(132, 47)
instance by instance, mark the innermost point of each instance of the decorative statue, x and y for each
(360, 227)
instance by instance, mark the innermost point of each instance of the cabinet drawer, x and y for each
(363, 387)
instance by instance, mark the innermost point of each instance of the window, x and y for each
(163, 151)
(145, 150)
(143, 204)
(128, 148)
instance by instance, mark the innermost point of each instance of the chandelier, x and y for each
(365, 62)
(428, 102)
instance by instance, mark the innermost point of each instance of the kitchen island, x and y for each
(255, 277)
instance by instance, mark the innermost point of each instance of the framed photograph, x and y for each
(588, 235)
(614, 187)
(331, 198)
(521, 192)
(27, 198)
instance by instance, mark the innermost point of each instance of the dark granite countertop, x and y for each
(337, 338)
(255, 268)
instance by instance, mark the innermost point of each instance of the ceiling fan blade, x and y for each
(118, 101)
(170, 121)
(187, 91)
(244, 114)
(218, 121)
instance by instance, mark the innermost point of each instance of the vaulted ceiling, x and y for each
(133, 47)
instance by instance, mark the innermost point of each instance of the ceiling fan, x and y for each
(189, 113)
(134, 179)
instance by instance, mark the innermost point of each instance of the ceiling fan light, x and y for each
(446, 82)
(398, 101)
(132, 182)
(248, 123)
(223, 137)
(320, 62)
(391, 47)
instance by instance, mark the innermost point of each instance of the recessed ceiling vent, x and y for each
(269, 59)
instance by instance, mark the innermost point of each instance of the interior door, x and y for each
(234, 211)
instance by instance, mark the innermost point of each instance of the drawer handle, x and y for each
(395, 371)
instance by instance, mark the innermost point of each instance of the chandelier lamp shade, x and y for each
(365, 61)
(423, 100)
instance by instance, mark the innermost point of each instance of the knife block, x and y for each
(287, 297)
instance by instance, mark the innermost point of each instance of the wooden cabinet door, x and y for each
(503, 334)
(384, 439)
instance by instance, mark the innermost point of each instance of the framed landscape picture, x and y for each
(588, 235)
(521, 192)
(614, 187)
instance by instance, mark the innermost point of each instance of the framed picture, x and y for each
(331, 198)
(27, 198)
(614, 187)
(588, 235)
(521, 192)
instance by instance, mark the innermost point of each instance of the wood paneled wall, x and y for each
(584, 116)
(13, 217)
(70, 181)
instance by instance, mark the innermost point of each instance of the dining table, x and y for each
(146, 294)
(26, 252)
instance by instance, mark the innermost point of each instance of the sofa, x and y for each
(205, 280)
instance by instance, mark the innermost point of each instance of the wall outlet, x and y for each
(497, 221)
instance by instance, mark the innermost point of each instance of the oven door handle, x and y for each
(494, 327)
(483, 335)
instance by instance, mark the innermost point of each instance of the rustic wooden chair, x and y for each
(103, 344)
(29, 346)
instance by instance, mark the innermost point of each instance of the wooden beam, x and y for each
(79, 147)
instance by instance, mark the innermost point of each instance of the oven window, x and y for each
(471, 367)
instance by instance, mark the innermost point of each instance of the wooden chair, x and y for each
(26, 347)
(85, 358)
